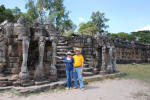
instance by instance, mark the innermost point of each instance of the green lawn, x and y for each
(137, 71)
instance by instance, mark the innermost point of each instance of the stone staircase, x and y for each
(63, 46)
(88, 64)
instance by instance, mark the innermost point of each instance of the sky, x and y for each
(124, 15)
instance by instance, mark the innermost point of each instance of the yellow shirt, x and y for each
(78, 60)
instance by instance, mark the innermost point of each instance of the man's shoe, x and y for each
(70, 88)
(75, 87)
(67, 88)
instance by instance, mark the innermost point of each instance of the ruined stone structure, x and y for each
(131, 52)
(27, 53)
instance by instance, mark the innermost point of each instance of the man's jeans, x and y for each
(69, 73)
(77, 74)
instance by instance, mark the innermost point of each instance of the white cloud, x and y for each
(146, 28)
(81, 19)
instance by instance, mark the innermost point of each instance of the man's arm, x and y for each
(82, 65)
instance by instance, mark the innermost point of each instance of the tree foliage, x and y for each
(99, 20)
(88, 28)
(141, 36)
(16, 13)
(57, 13)
(97, 24)
(32, 12)
(5, 14)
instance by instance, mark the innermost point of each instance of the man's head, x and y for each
(78, 51)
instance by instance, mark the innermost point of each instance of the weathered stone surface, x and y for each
(26, 83)
(13, 59)
(5, 83)
(65, 47)
(42, 82)
(3, 79)
(13, 78)
(31, 49)
(15, 70)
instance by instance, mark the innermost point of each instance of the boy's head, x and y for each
(69, 54)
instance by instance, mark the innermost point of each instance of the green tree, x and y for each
(142, 36)
(113, 35)
(88, 28)
(122, 35)
(5, 14)
(99, 20)
(57, 13)
(17, 13)
(32, 12)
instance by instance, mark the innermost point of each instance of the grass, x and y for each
(137, 71)
(87, 81)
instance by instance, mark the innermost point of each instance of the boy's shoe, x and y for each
(82, 89)
(70, 88)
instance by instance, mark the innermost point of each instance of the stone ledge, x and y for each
(53, 85)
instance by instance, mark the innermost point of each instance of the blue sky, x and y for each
(124, 15)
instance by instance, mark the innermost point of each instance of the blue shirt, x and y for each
(69, 63)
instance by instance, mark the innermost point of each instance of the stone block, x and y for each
(14, 65)
(5, 83)
(3, 79)
(28, 83)
(14, 77)
(10, 41)
(2, 59)
(14, 59)
(15, 70)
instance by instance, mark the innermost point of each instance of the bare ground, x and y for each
(117, 89)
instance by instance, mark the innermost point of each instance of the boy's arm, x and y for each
(58, 57)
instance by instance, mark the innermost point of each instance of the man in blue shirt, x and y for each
(69, 68)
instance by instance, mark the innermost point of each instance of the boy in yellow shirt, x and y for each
(78, 68)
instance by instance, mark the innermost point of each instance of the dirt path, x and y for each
(123, 89)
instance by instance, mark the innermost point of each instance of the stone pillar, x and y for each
(53, 70)
(109, 66)
(103, 68)
(114, 65)
(97, 60)
(24, 74)
(39, 75)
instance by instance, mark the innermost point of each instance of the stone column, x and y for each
(97, 61)
(24, 74)
(109, 66)
(39, 75)
(103, 67)
(53, 70)
(114, 65)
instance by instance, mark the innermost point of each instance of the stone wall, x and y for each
(131, 52)
(27, 53)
